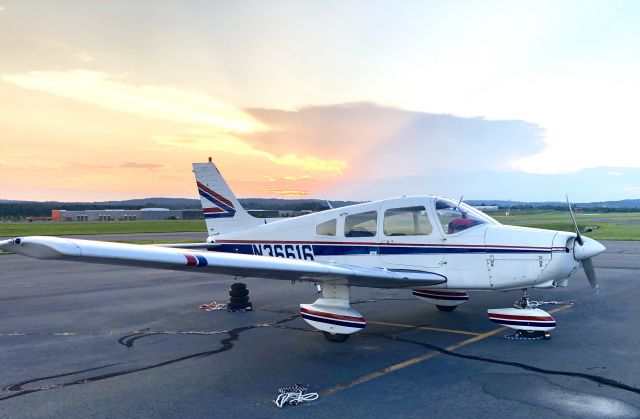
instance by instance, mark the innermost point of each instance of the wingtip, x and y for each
(6, 244)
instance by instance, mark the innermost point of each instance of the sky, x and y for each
(352, 100)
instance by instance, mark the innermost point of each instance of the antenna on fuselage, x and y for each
(464, 213)
(326, 200)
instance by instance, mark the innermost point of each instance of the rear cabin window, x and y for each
(328, 228)
(408, 221)
(363, 224)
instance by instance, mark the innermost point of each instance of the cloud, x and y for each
(204, 122)
(77, 53)
(287, 193)
(161, 102)
(588, 185)
(231, 145)
(379, 141)
(634, 190)
(296, 178)
(133, 165)
(83, 56)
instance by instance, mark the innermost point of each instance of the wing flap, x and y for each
(215, 262)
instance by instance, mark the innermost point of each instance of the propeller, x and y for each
(584, 249)
(575, 223)
(587, 265)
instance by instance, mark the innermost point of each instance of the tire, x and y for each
(236, 306)
(239, 300)
(238, 293)
(336, 337)
(238, 286)
(446, 308)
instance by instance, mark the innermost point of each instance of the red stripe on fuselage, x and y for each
(191, 260)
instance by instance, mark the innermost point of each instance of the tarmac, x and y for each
(80, 340)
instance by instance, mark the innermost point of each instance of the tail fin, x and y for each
(222, 210)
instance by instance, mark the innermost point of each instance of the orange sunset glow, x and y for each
(103, 138)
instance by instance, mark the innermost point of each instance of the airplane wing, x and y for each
(203, 246)
(215, 262)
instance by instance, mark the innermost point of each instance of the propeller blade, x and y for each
(587, 265)
(578, 237)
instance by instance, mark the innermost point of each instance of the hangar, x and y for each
(144, 214)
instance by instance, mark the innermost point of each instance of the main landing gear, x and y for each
(529, 321)
(332, 313)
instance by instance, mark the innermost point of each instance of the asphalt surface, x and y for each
(99, 341)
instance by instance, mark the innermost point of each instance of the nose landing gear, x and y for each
(526, 318)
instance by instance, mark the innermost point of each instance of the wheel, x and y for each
(238, 286)
(446, 308)
(239, 300)
(239, 293)
(336, 337)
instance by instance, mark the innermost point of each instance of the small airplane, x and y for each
(437, 247)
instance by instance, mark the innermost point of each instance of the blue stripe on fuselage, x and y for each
(376, 249)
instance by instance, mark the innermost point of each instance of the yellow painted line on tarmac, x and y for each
(418, 359)
(431, 329)
(555, 310)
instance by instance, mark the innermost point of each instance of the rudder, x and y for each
(222, 210)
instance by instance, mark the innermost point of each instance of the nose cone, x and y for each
(589, 249)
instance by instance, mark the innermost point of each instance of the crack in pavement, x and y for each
(17, 389)
(590, 377)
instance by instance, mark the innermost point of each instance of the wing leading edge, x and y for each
(149, 256)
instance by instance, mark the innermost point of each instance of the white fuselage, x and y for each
(423, 233)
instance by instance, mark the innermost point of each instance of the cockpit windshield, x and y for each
(456, 217)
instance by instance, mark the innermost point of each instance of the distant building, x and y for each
(278, 213)
(144, 214)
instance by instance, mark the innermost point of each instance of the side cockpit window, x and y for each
(407, 221)
(328, 228)
(458, 217)
(363, 224)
